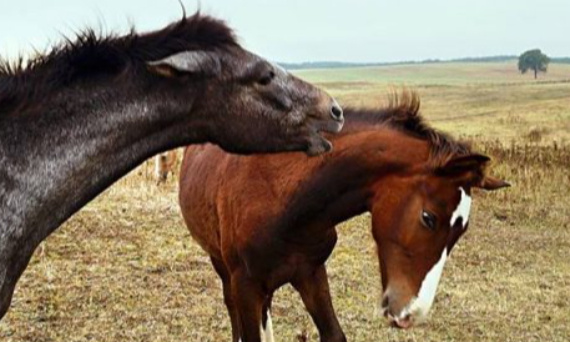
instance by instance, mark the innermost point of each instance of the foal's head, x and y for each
(252, 105)
(417, 224)
(421, 207)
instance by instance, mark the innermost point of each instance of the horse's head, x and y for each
(249, 104)
(416, 222)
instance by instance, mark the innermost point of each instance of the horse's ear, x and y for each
(491, 183)
(192, 62)
(464, 164)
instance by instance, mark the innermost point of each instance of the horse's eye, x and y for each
(267, 78)
(429, 220)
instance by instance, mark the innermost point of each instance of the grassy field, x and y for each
(125, 268)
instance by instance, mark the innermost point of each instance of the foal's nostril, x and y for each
(336, 112)
(385, 302)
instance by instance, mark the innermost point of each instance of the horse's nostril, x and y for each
(336, 112)
(385, 302)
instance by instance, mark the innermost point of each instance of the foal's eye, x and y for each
(266, 78)
(429, 220)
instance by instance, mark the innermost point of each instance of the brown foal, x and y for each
(268, 220)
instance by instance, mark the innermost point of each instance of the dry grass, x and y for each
(125, 268)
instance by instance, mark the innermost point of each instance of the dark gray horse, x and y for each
(74, 121)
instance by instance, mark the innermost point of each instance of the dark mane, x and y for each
(403, 113)
(90, 54)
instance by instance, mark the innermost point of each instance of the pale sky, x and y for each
(311, 30)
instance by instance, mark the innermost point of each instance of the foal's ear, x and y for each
(464, 164)
(491, 183)
(188, 62)
(470, 168)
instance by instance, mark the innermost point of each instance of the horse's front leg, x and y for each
(14, 258)
(6, 292)
(249, 299)
(313, 286)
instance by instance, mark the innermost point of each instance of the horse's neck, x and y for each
(55, 161)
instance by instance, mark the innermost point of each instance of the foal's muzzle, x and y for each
(396, 320)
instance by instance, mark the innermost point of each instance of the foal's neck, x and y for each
(346, 182)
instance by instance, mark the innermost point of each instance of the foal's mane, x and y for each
(403, 114)
(90, 54)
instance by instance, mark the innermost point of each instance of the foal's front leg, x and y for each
(313, 286)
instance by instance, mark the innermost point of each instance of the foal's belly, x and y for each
(207, 240)
(279, 264)
(205, 233)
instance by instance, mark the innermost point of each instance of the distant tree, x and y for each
(533, 60)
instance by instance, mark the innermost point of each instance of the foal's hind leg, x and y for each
(249, 298)
(222, 271)
(313, 286)
(266, 322)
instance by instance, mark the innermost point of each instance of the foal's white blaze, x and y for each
(462, 210)
(420, 305)
(267, 333)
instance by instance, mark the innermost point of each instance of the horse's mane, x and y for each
(403, 113)
(90, 54)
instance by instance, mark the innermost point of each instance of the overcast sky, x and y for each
(310, 30)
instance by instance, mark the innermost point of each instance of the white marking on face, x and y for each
(462, 210)
(419, 306)
(267, 333)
